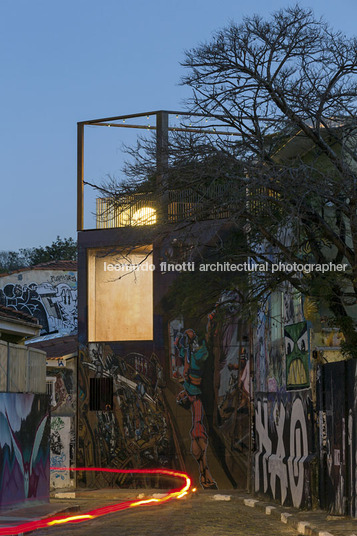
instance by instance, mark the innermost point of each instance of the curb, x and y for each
(305, 528)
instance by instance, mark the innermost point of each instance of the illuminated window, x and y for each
(120, 295)
(144, 216)
(128, 212)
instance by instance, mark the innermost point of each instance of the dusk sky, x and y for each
(64, 61)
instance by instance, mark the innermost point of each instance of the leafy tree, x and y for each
(12, 260)
(60, 249)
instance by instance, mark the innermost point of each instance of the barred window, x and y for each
(50, 390)
(101, 394)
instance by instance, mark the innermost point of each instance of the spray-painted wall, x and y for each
(219, 385)
(284, 447)
(192, 416)
(284, 419)
(204, 407)
(24, 448)
(49, 295)
(63, 419)
(135, 432)
(337, 410)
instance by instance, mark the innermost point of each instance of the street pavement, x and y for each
(200, 514)
(204, 513)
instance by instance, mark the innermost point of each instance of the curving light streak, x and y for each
(177, 493)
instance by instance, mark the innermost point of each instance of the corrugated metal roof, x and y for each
(57, 347)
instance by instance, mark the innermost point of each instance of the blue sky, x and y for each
(64, 61)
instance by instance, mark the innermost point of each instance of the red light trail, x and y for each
(176, 493)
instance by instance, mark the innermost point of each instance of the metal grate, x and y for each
(101, 394)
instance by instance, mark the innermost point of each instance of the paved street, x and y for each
(198, 515)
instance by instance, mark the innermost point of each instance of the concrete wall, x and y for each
(63, 420)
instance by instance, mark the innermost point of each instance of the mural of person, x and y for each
(194, 356)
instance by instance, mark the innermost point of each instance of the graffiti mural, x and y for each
(262, 338)
(337, 410)
(176, 329)
(53, 303)
(134, 431)
(24, 448)
(212, 376)
(284, 440)
(60, 451)
(194, 355)
(297, 355)
(232, 393)
(64, 389)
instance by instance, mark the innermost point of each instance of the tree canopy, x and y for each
(286, 87)
(60, 249)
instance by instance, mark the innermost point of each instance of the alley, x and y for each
(198, 515)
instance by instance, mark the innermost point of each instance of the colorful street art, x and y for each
(232, 394)
(297, 355)
(214, 373)
(135, 432)
(284, 440)
(24, 448)
(64, 389)
(194, 354)
(61, 378)
(60, 451)
(53, 303)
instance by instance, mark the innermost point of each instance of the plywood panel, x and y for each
(120, 296)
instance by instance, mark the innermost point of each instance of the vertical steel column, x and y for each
(80, 175)
(162, 161)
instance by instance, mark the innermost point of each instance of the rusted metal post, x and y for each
(80, 175)
(162, 161)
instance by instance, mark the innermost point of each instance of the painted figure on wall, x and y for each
(194, 356)
(297, 355)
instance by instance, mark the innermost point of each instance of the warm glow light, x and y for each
(69, 519)
(144, 216)
(104, 510)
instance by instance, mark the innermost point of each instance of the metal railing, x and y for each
(180, 205)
